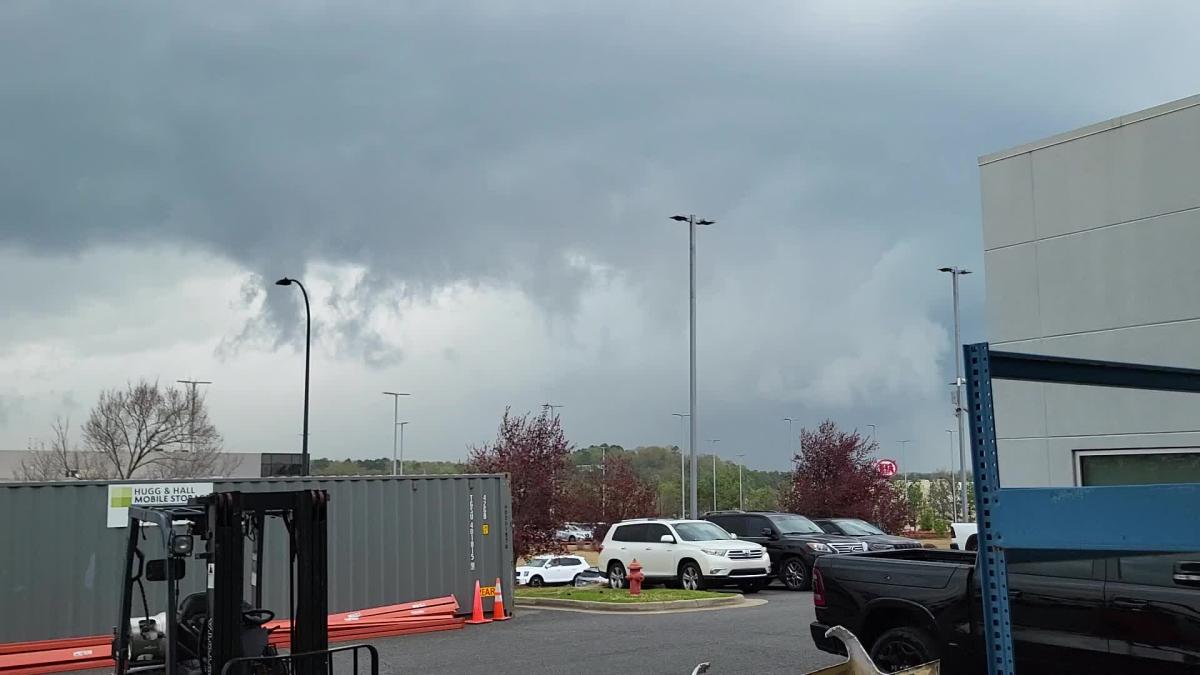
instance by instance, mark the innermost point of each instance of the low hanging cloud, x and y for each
(395, 155)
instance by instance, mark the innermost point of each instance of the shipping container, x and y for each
(391, 539)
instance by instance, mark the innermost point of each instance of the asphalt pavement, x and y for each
(769, 638)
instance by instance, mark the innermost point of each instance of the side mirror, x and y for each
(769, 533)
(157, 570)
(733, 535)
(667, 539)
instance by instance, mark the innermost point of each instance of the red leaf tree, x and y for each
(604, 494)
(534, 453)
(835, 475)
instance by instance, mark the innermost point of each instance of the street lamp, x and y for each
(550, 408)
(307, 347)
(692, 222)
(904, 459)
(955, 273)
(396, 421)
(192, 405)
(953, 490)
(682, 476)
(741, 500)
(714, 442)
(789, 421)
(873, 427)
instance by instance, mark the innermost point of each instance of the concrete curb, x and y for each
(724, 601)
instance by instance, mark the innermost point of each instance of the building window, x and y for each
(1137, 467)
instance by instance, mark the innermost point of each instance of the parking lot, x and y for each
(767, 638)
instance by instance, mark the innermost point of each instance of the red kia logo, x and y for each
(887, 467)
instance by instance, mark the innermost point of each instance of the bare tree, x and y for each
(148, 430)
(58, 461)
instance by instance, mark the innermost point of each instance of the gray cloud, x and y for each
(487, 142)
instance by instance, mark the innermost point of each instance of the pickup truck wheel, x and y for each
(902, 648)
(794, 575)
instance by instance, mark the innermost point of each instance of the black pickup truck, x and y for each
(1118, 614)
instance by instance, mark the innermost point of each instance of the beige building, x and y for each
(1092, 250)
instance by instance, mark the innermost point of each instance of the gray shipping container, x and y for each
(391, 540)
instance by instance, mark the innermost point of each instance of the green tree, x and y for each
(941, 500)
(762, 499)
(915, 498)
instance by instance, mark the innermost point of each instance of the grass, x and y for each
(609, 595)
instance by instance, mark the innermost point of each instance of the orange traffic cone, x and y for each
(477, 616)
(498, 605)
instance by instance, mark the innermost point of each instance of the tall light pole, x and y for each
(692, 222)
(307, 348)
(551, 407)
(789, 421)
(192, 412)
(714, 442)
(955, 273)
(741, 499)
(395, 423)
(873, 427)
(682, 475)
(401, 425)
(953, 490)
(904, 459)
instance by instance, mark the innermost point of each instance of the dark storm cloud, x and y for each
(435, 144)
(432, 142)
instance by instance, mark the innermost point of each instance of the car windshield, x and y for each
(796, 525)
(701, 532)
(858, 527)
(537, 562)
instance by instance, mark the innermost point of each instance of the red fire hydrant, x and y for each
(635, 577)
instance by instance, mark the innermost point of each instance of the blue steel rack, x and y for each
(1116, 518)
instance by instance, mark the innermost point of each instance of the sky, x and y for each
(476, 195)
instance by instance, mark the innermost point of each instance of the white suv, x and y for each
(695, 553)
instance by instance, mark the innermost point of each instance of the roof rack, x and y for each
(723, 512)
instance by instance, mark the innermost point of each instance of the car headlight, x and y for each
(818, 547)
(713, 552)
(882, 547)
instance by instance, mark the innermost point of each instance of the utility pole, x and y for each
(741, 499)
(682, 474)
(192, 409)
(692, 222)
(714, 442)
(955, 273)
(395, 423)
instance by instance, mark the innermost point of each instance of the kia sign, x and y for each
(887, 467)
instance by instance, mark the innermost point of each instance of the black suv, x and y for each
(793, 542)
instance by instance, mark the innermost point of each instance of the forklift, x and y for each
(218, 630)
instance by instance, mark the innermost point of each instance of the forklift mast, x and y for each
(225, 520)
